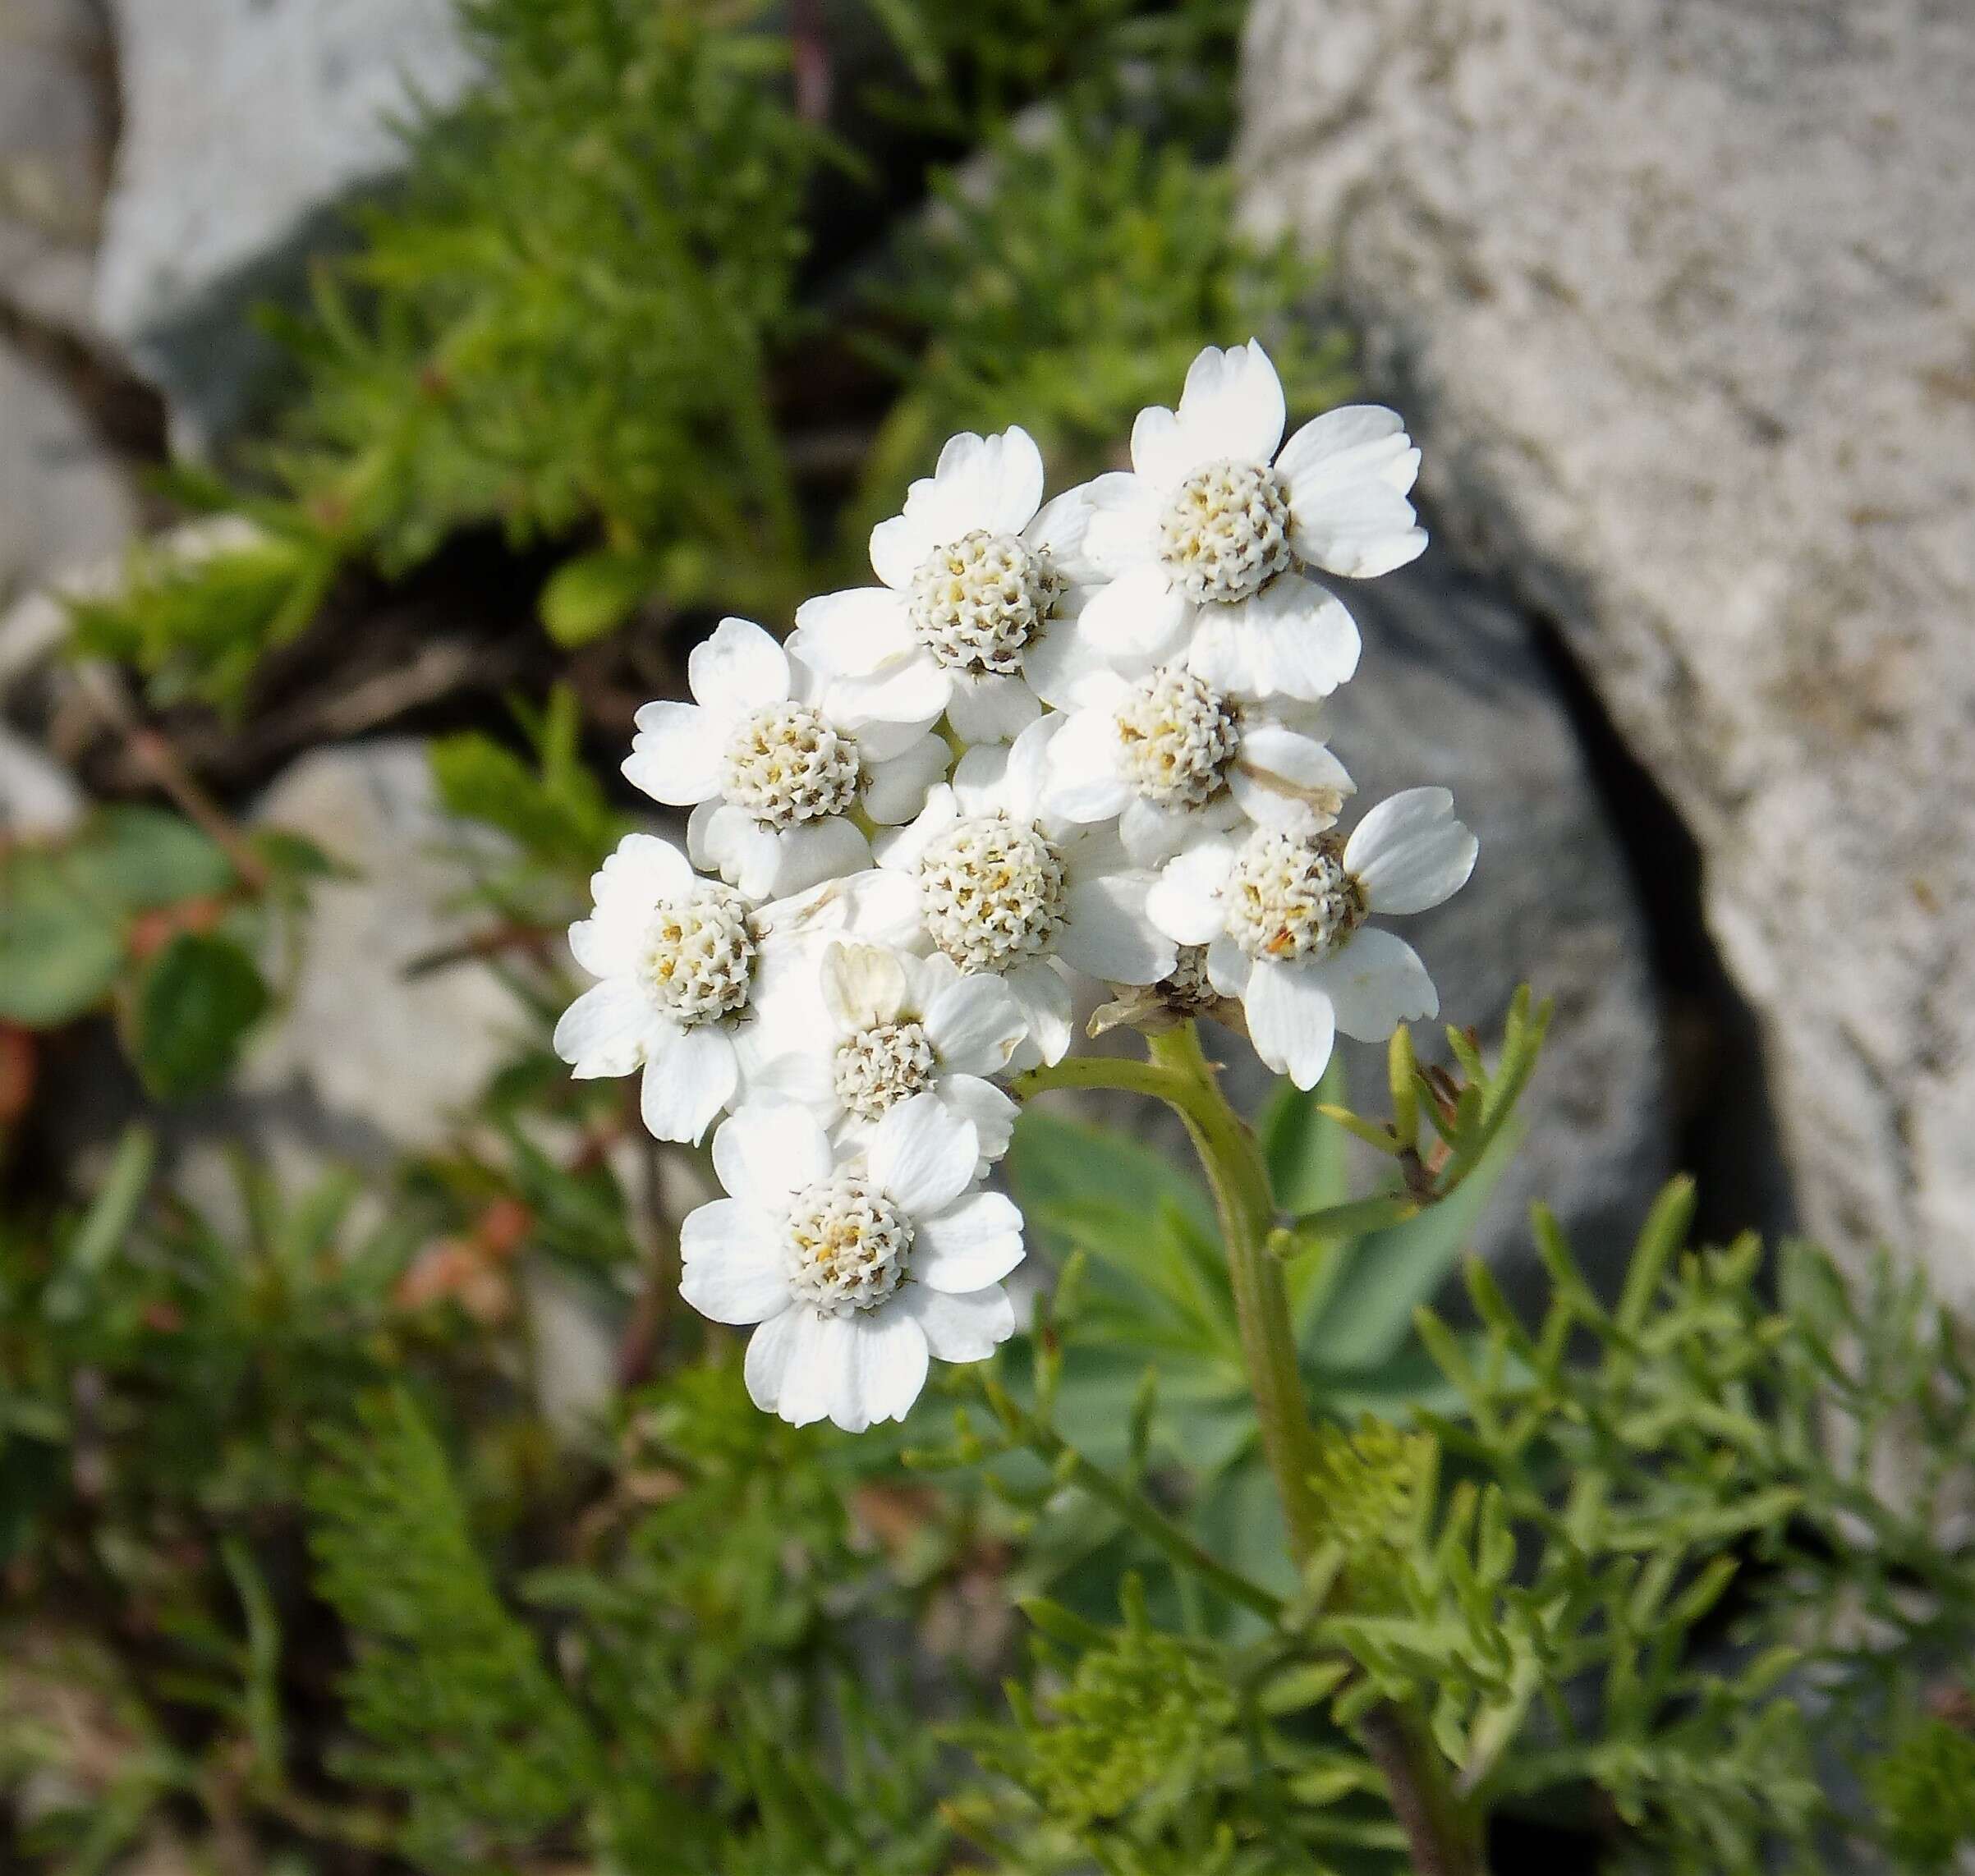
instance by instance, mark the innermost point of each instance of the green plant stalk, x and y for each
(1443, 1836)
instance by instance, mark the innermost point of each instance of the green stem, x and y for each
(1233, 1159)
(1443, 1837)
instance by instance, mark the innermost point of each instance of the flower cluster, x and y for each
(1061, 742)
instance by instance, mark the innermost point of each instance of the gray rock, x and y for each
(37, 798)
(247, 123)
(55, 134)
(1680, 301)
(65, 500)
(379, 1062)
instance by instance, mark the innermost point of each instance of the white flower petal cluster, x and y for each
(1062, 744)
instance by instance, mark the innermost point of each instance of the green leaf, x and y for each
(142, 857)
(60, 950)
(595, 594)
(195, 1003)
(1387, 1274)
(1307, 1153)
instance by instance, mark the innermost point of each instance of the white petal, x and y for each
(993, 1112)
(922, 1155)
(1293, 638)
(1107, 934)
(1410, 853)
(1288, 781)
(811, 1373)
(863, 985)
(899, 548)
(1290, 1021)
(994, 484)
(1229, 967)
(738, 668)
(1184, 902)
(854, 633)
(886, 1369)
(770, 1350)
(895, 789)
(1151, 835)
(606, 1029)
(734, 1264)
(689, 1075)
(1375, 983)
(893, 705)
(770, 1150)
(989, 707)
(1047, 1009)
(676, 755)
(1059, 531)
(803, 1076)
(1085, 782)
(1025, 775)
(1063, 668)
(969, 1245)
(1347, 474)
(960, 1328)
(1231, 409)
(878, 905)
(1123, 530)
(729, 840)
(812, 851)
(642, 872)
(1137, 617)
(1359, 533)
(974, 1024)
(902, 848)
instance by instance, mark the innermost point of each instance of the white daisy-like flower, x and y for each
(1282, 918)
(873, 1025)
(1175, 760)
(858, 1264)
(981, 583)
(1009, 890)
(1204, 541)
(681, 961)
(775, 763)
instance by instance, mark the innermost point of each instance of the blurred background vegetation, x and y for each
(389, 1515)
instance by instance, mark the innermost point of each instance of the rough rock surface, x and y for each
(1451, 691)
(37, 797)
(1680, 300)
(246, 123)
(55, 133)
(374, 1060)
(65, 500)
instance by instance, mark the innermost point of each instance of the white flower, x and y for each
(1203, 541)
(856, 1264)
(1281, 916)
(777, 762)
(1006, 888)
(873, 1025)
(980, 580)
(682, 962)
(1173, 760)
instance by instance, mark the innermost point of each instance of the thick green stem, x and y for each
(1232, 1159)
(1442, 1836)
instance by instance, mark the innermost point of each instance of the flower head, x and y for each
(682, 963)
(857, 1263)
(776, 761)
(1205, 542)
(1172, 759)
(1007, 889)
(1282, 917)
(873, 1025)
(980, 580)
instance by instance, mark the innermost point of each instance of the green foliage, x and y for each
(585, 319)
(1924, 1787)
(458, 1709)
